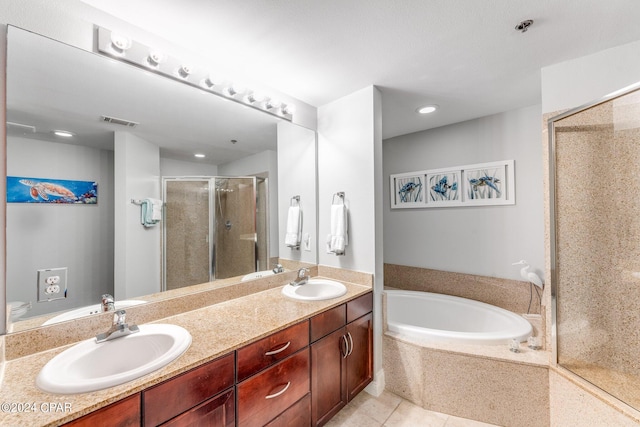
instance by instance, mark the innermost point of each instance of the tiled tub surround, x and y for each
(487, 383)
(216, 329)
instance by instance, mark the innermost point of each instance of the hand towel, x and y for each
(151, 212)
(294, 227)
(338, 239)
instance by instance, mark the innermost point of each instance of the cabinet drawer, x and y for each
(125, 413)
(174, 396)
(359, 307)
(261, 354)
(327, 322)
(262, 397)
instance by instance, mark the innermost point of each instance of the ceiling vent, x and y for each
(121, 122)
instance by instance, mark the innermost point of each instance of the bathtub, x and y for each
(446, 318)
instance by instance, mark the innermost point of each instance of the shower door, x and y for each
(235, 227)
(187, 232)
(595, 258)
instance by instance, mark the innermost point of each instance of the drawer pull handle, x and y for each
(281, 349)
(350, 344)
(271, 396)
(345, 347)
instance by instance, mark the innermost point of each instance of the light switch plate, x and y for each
(52, 284)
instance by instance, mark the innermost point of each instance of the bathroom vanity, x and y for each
(294, 363)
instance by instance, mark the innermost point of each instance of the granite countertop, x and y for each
(216, 330)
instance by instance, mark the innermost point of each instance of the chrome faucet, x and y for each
(303, 277)
(278, 269)
(118, 329)
(108, 303)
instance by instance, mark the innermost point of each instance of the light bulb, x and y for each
(184, 71)
(120, 43)
(155, 58)
(288, 109)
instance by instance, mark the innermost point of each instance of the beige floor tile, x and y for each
(347, 418)
(410, 415)
(379, 408)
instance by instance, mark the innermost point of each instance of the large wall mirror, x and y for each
(134, 134)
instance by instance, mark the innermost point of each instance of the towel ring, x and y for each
(295, 201)
(340, 195)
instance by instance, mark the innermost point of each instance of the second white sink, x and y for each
(315, 290)
(90, 366)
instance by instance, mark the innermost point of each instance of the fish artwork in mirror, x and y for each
(74, 116)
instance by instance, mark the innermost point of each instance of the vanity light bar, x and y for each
(150, 59)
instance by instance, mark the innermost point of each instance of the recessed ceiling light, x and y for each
(63, 133)
(199, 155)
(427, 109)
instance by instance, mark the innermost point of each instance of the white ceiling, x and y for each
(463, 55)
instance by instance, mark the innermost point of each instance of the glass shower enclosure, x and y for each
(214, 228)
(595, 235)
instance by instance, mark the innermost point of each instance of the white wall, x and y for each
(350, 160)
(263, 164)
(43, 236)
(172, 167)
(137, 250)
(571, 84)
(481, 240)
(297, 177)
(346, 149)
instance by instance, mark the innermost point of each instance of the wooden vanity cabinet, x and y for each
(202, 393)
(342, 361)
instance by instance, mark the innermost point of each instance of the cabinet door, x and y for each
(360, 358)
(125, 413)
(328, 377)
(218, 411)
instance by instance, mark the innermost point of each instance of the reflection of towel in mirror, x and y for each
(338, 239)
(151, 212)
(294, 227)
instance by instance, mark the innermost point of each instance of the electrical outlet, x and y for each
(52, 284)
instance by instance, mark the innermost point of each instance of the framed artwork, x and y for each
(45, 190)
(443, 187)
(489, 183)
(470, 185)
(407, 190)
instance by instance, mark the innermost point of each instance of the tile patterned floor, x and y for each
(390, 410)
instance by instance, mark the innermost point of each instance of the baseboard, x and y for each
(376, 387)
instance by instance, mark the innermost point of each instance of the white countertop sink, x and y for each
(90, 366)
(257, 275)
(315, 290)
(90, 310)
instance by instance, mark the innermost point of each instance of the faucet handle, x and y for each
(119, 317)
(303, 272)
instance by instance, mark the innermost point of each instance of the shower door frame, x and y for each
(212, 220)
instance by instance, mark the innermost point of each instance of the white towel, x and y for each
(294, 227)
(338, 239)
(156, 209)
